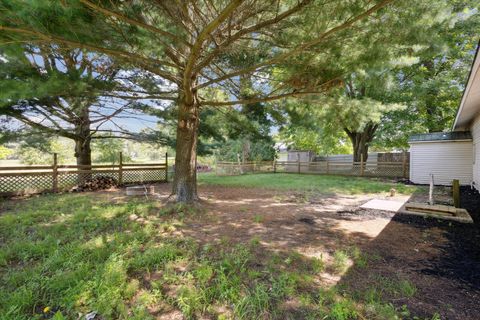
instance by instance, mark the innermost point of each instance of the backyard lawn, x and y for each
(287, 247)
(301, 182)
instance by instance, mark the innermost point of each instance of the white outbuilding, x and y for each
(446, 155)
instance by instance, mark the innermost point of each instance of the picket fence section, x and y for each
(55, 178)
(361, 169)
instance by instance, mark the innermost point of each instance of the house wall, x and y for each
(446, 160)
(475, 130)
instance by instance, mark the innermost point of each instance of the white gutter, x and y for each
(438, 141)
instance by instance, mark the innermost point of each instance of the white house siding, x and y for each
(475, 130)
(447, 160)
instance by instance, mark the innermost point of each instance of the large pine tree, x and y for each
(204, 47)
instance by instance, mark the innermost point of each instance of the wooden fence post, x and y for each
(298, 161)
(274, 166)
(166, 167)
(456, 193)
(55, 173)
(120, 168)
(430, 191)
(404, 164)
(361, 165)
(328, 167)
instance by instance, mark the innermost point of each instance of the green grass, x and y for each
(340, 261)
(70, 254)
(322, 183)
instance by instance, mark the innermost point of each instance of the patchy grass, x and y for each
(65, 255)
(340, 261)
(323, 183)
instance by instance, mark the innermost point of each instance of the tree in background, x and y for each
(108, 151)
(39, 148)
(318, 140)
(68, 93)
(144, 151)
(247, 128)
(302, 127)
(359, 117)
(354, 111)
(437, 81)
(4, 152)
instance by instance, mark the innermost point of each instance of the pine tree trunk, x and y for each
(83, 152)
(185, 180)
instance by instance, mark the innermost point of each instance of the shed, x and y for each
(446, 155)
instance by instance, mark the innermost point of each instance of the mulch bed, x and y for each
(470, 200)
(442, 258)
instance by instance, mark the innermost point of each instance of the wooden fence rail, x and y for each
(53, 178)
(362, 169)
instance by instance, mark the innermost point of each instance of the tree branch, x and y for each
(134, 22)
(248, 30)
(195, 51)
(145, 62)
(301, 47)
(324, 85)
(260, 99)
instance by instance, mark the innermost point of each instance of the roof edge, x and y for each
(440, 136)
(462, 101)
(440, 141)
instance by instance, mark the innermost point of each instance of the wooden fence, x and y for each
(54, 178)
(361, 169)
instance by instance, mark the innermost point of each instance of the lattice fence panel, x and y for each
(376, 169)
(67, 180)
(346, 169)
(27, 183)
(385, 170)
(140, 176)
(264, 167)
(34, 179)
